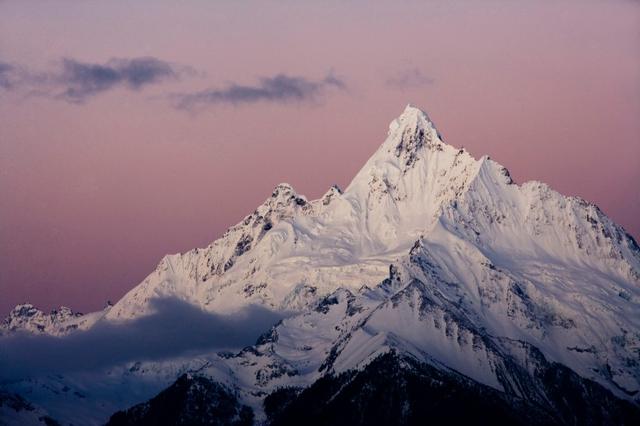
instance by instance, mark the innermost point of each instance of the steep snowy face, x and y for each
(458, 312)
(399, 192)
(194, 276)
(515, 224)
(290, 252)
(578, 321)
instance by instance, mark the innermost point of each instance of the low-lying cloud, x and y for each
(281, 88)
(176, 328)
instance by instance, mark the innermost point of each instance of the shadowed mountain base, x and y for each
(391, 390)
(191, 400)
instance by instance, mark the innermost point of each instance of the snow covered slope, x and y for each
(290, 252)
(415, 312)
(59, 322)
(428, 253)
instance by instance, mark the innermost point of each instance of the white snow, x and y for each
(473, 253)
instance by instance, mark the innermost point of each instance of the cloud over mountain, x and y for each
(173, 329)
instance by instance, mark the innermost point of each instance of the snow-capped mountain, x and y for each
(430, 260)
(290, 252)
(59, 322)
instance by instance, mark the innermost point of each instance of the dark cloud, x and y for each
(409, 79)
(177, 328)
(83, 80)
(76, 81)
(7, 75)
(280, 89)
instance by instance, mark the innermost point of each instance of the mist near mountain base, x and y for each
(174, 329)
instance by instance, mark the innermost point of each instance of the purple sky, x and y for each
(128, 131)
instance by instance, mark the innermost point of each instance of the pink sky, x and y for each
(94, 194)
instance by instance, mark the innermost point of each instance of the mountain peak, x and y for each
(284, 186)
(284, 195)
(410, 137)
(26, 317)
(24, 310)
(412, 131)
(411, 109)
(332, 193)
(412, 117)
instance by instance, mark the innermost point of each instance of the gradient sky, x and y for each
(106, 166)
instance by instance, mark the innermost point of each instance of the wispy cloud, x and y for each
(75, 81)
(13, 75)
(83, 80)
(6, 75)
(409, 79)
(281, 88)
